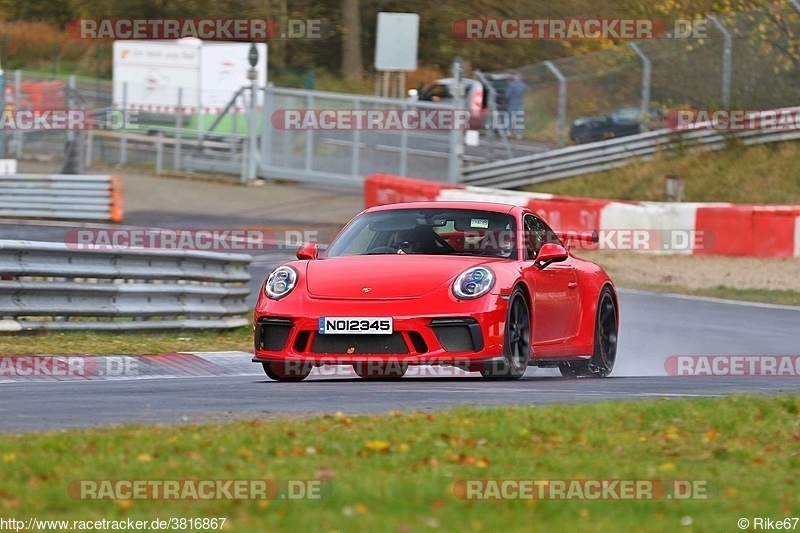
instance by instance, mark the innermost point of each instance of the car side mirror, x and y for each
(551, 253)
(308, 251)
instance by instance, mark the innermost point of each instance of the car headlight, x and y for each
(473, 283)
(280, 282)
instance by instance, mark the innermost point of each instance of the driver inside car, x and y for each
(419, 240)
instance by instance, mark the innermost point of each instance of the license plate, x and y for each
(355, 325)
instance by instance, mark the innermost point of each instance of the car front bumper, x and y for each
(460, 333)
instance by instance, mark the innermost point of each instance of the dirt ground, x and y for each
(632, 269)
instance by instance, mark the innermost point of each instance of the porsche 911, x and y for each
(484, 287)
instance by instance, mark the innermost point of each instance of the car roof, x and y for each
(451, 81)
(495, 207)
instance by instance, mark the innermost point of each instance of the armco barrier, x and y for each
(53, 286)
(61, 197)
(615, 152)
(721, 228)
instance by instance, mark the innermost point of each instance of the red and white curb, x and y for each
(77, 368)
(38, 368)
(712, 228)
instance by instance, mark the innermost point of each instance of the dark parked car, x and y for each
(622, 122)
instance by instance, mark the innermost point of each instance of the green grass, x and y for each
(759, 174)
(396, 472)
(80, 342)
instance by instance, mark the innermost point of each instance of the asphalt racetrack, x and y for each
(653, 328)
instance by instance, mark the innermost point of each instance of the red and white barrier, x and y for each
(711, 228)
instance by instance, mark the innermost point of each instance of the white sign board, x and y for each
(209, 73)
(8, 166)
(396, 41)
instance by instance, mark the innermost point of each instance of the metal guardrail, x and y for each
(54, 286)
(605, 155)
(61, 196)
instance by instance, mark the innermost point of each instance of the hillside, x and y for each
(767, 174)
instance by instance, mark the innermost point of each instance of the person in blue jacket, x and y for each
(515, 97)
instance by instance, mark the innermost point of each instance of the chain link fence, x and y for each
(747, 60)
(208, 131)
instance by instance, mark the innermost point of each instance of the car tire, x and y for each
(290, 371)
(606, 331)
(517, 343)
(385, 371)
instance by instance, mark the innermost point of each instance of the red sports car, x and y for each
(481, 286)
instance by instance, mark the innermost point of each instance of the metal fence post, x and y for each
(244, 165)
(160, 152)
(562, 102)
(2, 107)
(354, 160)
(123, 138)
(176, 153)
(646, 79)
(309, 135)
(266, 126)
(17, 100)
(404, 146)
(726, 61)
(89, 143)
(456, 146)
(252, 125)
(70, 104)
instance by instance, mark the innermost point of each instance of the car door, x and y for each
(626, 122)
(555, 287)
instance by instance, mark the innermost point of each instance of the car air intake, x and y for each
(458, 335)
(359, 344)
(272, 333)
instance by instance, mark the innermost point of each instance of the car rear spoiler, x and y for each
(587, 237)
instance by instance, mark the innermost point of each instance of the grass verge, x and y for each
(396, 472)
(82, 342)
(767, 174)
(728, 293)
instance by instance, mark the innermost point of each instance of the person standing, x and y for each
(515, 98)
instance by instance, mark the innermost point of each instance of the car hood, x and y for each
(378, 277)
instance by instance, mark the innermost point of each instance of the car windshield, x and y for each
(428, 232)
(626, 114)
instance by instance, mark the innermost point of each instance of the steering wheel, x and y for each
(383, 250)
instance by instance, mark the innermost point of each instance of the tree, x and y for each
(352, 67)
